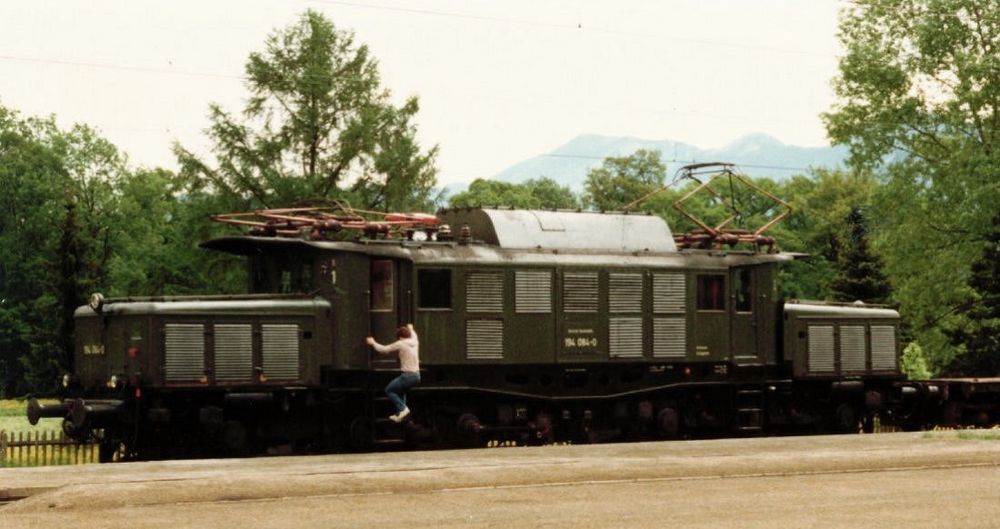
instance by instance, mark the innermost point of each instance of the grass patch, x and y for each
(979, 435)
(13, 418)
(14, 425)
(992, 434)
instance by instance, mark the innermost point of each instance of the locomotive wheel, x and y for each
(107, 449)
(359, 434)
(845, 418)
(544, 429)
(952, 414)
(668, 422)
(868, 423)
(234, 437)
(468, 427)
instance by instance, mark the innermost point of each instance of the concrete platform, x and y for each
(888, 480)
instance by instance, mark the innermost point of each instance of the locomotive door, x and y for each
(383, 303)
(742, 316)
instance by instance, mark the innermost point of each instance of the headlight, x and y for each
(96, 301)
(65, 380)
(113, 381)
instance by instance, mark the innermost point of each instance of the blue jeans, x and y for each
(396, 390)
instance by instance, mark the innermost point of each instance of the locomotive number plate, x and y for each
(93, 349)
(580, 340)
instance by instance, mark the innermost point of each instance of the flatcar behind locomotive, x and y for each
(535, 326)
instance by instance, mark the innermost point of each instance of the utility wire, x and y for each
(146, 69)
(572, 26)
(676, 160)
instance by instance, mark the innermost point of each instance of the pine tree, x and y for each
(981, 335)
(859, 271)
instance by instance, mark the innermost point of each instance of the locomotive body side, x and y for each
(534, 326)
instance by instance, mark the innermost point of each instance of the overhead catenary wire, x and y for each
(678, 160)
(172, 71)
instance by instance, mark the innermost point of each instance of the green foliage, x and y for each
(54, 197)
(75, 220)
(539, 193)
(621, 179)
(919, 94)
(913, 363)
(316, 120)
(979, 337)
(859, 271)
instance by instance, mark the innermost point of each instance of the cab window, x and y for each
(711, 292)
(381, 285)
(434, 288)
(281, 274)
(743, 290)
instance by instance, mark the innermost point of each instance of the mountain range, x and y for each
(755, 154)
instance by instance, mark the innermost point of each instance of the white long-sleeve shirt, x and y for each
(408, 350)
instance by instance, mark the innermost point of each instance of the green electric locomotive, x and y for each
(534, 327)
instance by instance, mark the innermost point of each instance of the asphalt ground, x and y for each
(934, 480)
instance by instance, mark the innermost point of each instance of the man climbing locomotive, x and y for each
(407, 347)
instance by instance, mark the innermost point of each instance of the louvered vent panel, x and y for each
(669, 337)
(484, 292)
(625, 337)
(233, 353)
(184, 352)
(821, 349)
(484, 339)
(852, 348)
(883, 348)
(669, 293)
(625, 293)
(533, 291)
(279, 349)
(580, 292)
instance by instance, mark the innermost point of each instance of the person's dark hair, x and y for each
(403, 332)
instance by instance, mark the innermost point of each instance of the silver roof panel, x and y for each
(564, 230)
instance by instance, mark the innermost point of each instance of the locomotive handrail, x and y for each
(211, 297)
(858, 303)
(558, 398)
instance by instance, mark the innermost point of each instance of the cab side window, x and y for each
(711, 292)
(381, 285)
(743, 290)
(434, 288)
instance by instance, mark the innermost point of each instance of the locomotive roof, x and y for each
(531, 237)
(563, 230)
(451, 253)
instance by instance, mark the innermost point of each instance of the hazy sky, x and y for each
(498, 81)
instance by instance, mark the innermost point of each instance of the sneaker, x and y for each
(400, 416)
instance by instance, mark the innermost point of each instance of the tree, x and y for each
(74, 219)
(859, 271)
(820, 203)
(918, 102)
(317, 119)
(56, 217)
(980, 336)
(621, 179)
(539, 193)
